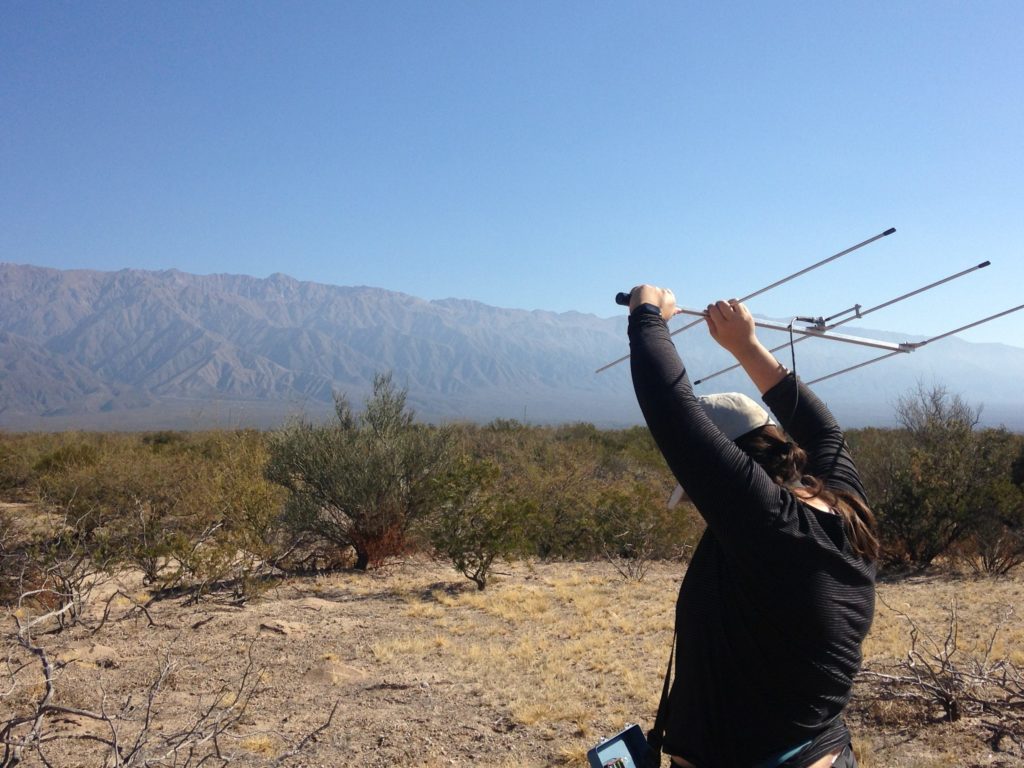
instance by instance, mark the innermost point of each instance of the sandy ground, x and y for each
(426, 671)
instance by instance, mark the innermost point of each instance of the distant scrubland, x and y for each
(211, 510)
(223, 516)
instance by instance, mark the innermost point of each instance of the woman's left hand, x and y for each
(662, 298)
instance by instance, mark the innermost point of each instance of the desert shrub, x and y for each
(1017, 465)
(563, 483)
(554, 480)
(629, 530)
(137, 729)
(932, 473)
(880, 453)
(26, 456)
(942, 487)
(994, 543)
(189, 511)
(250, 506)
(230, 528)
(164, 439)
(518, 490)
(16, 472)
(477, 523)
(62, 571)
(81, 453)
(635, 446)
(12, 559)
(361, 481)
(938, 674)
(636, 527)
(46, 563)
(126, 505)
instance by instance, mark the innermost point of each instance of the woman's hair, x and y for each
(784, 461)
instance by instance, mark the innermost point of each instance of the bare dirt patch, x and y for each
(427, 671)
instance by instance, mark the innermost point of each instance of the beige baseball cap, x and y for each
(734, 414)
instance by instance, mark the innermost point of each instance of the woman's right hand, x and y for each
(732, 326)
(662, 298)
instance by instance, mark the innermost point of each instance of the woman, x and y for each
(779, 593)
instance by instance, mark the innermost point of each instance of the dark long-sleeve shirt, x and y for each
(775, 603)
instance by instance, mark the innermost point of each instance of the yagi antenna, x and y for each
(822, 328)
(623, 298)
(915, 345)
(823, 325)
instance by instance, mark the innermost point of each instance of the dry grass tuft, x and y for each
(260, 745)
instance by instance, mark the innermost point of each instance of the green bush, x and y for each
(994, 542)
(940, 487)
(12, 560)
(567, 490)
(362, 481)
(189, 512)
(478, 521)
(925, 505)
(636, 527)
(233, 515)
(126, 504)
(16, 472)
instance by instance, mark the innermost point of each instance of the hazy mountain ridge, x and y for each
(134, 349)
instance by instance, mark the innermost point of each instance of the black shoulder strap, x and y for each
(656, 735)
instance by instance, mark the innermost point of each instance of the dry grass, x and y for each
(570, 652)
(530, 672)
(980, 602)
(560, 652)
(260, 745)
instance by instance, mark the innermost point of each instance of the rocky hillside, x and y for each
(135, 349)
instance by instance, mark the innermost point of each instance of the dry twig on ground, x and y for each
(940, 672)
(132, 735)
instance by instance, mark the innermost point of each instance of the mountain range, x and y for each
(137, 349)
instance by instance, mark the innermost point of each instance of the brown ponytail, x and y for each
(784, 461)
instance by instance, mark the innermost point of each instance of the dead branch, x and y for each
(126, 736)
(308, 738)
(940, 672)
(136, 609)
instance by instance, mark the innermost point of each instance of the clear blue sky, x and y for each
(541, 155)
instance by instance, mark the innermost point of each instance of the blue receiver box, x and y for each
(627, 749)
